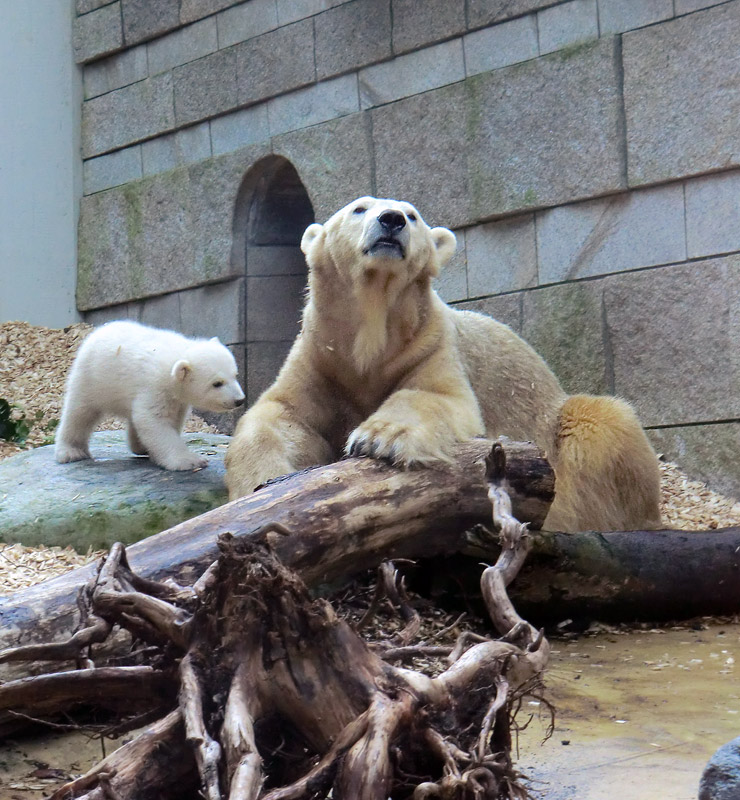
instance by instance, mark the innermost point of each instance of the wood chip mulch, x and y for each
(34, 362)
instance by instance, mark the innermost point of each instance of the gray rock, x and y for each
(116, 497)
(143, 19)
(440, 20)
(206, 87)
(262, 70)
(721, 777)
(484, 12)
(681, 77)
(97, 33)
(351, 36)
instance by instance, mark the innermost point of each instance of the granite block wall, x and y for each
(584, 152)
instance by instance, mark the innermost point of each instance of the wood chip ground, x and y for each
(33, 366)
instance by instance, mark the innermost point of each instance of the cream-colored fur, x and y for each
(382, 367)
(149, 377)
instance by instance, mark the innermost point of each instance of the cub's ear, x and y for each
(310, 235)
(445, 243)
(180, 370)
(216, 339)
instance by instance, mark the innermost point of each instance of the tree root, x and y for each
(279, 699)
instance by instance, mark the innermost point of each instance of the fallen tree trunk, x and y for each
(280, 699)
(341, 519)
(359, 512)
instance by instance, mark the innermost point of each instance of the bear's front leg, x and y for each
(269, 441)
(158, 434)
(417, 426)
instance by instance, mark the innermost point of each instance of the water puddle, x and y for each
(638, 715)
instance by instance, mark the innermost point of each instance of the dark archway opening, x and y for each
(273, 211)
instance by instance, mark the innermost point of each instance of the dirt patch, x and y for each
(34, 362)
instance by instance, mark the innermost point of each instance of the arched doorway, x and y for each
(273, 211)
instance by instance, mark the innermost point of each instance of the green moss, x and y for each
(530, 197)
(576, 49)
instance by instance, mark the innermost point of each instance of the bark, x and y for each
(264, 672)
(327, 523)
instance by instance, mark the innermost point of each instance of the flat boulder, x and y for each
(116, 497)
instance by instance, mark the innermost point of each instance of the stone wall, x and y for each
(585, 153)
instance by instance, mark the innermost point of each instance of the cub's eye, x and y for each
(412, 217)
(359, 210)
(218, 384)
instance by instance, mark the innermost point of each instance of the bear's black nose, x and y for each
(392, 221)
(238, 403)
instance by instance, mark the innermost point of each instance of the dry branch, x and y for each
(259, 658)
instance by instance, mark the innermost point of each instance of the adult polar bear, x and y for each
(382, 367)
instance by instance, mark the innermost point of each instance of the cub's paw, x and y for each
(66, 453)
(182, 463)
(396, 442)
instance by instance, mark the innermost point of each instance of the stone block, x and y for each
(412, 74)
(687, 6)
(245, 21)
(144, 19)
(617, 16)
(115, 71)
(502, 256)
(707, 453)
(274, 306)
(567, 25)
(421, 154)
(713, 214)
(486, 12)
(97, 33)
(673, 334)
(334, 161)
(263, 362)
(214, 310)
(111, 170)
(681, 100)
(625, 231)
(262, 67)
(85, 6)
(100, 316)
(166, 232)
(127, 115)
(181, 46)
(240, 128)
(191, 10)
(266, 260)
(452, 283)
(501, 45)
(506, 308)
(319, 103)
(564, 324)
(545, 132)
(206, 87)
(441, 19)
(352, 35)
(162, 312)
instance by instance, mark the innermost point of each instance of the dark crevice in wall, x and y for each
(697, 424)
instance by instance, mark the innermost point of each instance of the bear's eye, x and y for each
(359, 210)
(412, 217)
(218, 384)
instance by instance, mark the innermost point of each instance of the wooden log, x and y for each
(342, 519)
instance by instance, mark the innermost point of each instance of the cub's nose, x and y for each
(239, 402)
(392, 221)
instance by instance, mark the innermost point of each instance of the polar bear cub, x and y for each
(150, 378)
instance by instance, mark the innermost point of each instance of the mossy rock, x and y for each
(115, 497)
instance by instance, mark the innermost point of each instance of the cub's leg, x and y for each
(134, 442)
(159, 435)
(420, 422)
(79, 418)
(271, 440)
(607, 474)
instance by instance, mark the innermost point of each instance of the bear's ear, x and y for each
(180, 370)
(215, 339)
(310, 235)
(445, 244)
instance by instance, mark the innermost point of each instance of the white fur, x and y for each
(150, 378)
